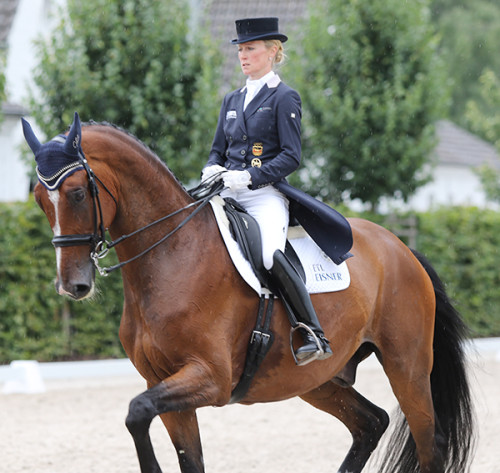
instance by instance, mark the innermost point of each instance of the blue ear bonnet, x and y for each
(58, 158)
(54, 164)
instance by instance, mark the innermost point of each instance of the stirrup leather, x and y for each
(313, 356)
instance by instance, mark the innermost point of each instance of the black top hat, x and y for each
(253, 29)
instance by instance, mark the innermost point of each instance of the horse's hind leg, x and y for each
(415, 399)
(365, 421)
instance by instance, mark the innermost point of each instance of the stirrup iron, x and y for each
(314, 356)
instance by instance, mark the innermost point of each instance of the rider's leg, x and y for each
(294, 292)
(270, 208)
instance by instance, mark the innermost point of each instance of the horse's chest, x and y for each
(151, 359)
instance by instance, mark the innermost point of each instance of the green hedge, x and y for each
(35, 322)
(463, 244)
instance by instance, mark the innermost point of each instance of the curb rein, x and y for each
(97, 240)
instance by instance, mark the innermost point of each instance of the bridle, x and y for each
(99, 246)
(98, 236)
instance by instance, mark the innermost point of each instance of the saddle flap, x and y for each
(245, 230)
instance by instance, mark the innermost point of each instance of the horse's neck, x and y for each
(180, 253)
(145, 191)
(145, 199)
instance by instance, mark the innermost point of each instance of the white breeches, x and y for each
(270, 208)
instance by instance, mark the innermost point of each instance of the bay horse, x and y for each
(188, 315)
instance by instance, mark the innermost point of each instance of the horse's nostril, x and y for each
(80, 290)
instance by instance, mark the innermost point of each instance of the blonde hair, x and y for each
(280, 56)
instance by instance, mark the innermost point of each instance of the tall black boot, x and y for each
(292, 289)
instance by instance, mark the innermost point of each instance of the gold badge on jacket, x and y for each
(257, 149)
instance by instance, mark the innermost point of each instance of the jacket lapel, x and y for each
(240, 99)
(258, 100)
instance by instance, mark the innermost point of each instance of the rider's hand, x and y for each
(237, 180)
(211, 171)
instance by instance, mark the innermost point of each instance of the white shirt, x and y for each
(253, 87)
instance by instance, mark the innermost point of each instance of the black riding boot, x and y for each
(292, 289)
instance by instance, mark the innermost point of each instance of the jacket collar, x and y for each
(258, 100)
(267, 90)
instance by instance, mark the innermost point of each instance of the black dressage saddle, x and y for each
(245, 231)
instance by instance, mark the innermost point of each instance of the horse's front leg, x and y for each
(184, 433)
(176, 397)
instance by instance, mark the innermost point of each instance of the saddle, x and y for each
(245, 230)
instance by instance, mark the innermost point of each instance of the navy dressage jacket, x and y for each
(265, 141)
(265, 138)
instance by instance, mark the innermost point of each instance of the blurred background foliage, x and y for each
(379, 87)
(383, 72)
(136, 64)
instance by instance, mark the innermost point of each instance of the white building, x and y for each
(456, 158)
(455, 181)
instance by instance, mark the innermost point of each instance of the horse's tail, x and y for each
(450, 391)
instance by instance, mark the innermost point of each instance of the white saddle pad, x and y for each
(322, 274)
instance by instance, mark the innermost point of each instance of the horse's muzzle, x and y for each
(79, 285)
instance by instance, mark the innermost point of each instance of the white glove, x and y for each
(237, 180)
(211, 171)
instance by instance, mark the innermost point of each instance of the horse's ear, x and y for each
(30, 137)
(74, 137)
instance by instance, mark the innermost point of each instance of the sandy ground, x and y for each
(77, 426)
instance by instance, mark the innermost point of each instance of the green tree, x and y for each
(372, 87)
(483, 115)
(470, 35)
(139, 64)
(490, 179)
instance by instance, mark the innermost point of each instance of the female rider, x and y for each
(257, 143)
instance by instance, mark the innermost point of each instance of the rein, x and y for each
(214, 189)
(97, 240)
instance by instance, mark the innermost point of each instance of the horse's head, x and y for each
(68, 194)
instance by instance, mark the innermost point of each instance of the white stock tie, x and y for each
(252, 88)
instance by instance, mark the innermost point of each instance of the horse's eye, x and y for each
(77, 196)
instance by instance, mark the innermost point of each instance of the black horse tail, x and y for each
(451, 393)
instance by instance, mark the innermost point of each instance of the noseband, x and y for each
(99, 247)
